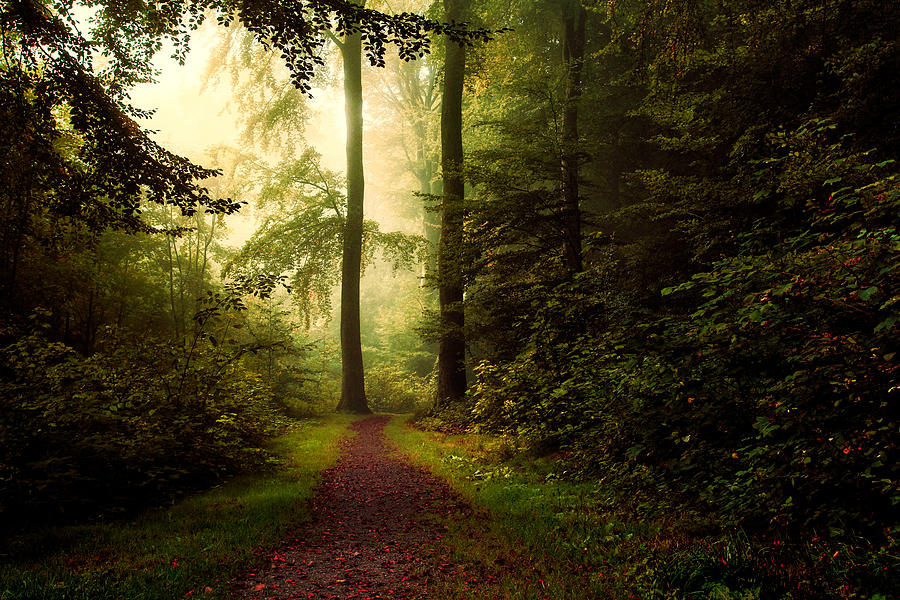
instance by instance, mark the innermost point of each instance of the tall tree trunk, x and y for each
(430, 227)
(452, 352)
(573, 18)
(353, 387)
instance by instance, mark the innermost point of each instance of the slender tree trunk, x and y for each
(182, 281)
(452, 352)
(353, 387)
(431, 219)
(211, 235)
(123, 286)
(573, 18)
(429, 266)
(169, 242)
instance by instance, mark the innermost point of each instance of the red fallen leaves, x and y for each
(368, 539)
(371, 537)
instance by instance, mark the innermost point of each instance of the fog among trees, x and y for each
(653, 244)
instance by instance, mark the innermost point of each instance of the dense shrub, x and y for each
(767, 391)
(390, 388)
(144, 418)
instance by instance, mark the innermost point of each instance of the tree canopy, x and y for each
(667, 269)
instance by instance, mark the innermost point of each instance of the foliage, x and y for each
(183, 548)
(92, 158)
(572, 537)
(775, 387)
(135, 422)
(731, 340)
(816, 315)
(301, 236)
(390, 388)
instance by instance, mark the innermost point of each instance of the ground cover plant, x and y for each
(190, 547)
(575, 537)
(639, 257)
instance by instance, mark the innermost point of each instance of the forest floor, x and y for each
(378, 532)
(376, 508)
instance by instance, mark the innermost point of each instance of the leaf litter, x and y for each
(376, 532)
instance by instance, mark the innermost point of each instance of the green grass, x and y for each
(192, 547)
(549, 528)
(571, 540)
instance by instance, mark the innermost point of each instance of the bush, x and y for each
(390, 389)
(763, 387)
(82, 435)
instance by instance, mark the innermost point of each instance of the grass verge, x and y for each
(567, 540)
(520, 519)
(186, 550)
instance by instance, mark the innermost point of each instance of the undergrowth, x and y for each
(188, 548)
(572, 538)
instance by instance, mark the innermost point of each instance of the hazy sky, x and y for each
(192, 117)
(188, 118)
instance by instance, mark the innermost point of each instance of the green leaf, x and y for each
(886, 324)
(781, 290)
(867, 293)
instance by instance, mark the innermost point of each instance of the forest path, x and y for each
(375, 531)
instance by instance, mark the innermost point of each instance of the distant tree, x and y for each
(572, 42)
(351, 46)
(412, 90)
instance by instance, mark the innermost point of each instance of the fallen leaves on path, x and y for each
(372, 534)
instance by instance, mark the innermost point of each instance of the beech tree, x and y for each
(413, 91)
(353, 387)
(452, 351)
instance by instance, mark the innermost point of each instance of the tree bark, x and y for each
(573, 20)
(353, 387)
(452, 351)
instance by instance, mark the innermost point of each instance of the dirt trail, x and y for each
(368, 537)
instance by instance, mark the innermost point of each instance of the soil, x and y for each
(376, 532)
